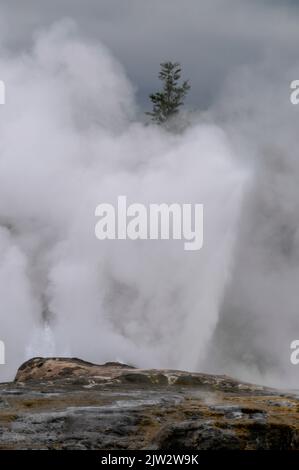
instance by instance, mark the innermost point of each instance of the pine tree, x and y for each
(167, 103)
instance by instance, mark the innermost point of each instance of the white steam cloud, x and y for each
(69, 140)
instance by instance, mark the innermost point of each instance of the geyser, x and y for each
(67, 144)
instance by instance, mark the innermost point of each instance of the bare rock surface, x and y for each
(63, 403)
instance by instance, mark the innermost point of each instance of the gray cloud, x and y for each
(209, 37)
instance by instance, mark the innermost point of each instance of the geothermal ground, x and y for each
(61, 403)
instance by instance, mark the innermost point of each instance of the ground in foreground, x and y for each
(60, 403)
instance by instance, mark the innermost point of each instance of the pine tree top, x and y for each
(167, 102)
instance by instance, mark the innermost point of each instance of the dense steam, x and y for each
(69, 140)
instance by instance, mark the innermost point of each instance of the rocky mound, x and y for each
(57, 368)
(60, 403)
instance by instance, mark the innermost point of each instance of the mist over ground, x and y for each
(72, 136)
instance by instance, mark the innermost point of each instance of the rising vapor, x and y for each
(70, 139)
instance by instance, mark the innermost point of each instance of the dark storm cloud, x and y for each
(209, 37)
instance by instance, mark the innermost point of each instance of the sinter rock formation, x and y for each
(60, 403)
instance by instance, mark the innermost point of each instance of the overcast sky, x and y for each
(211, 38)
